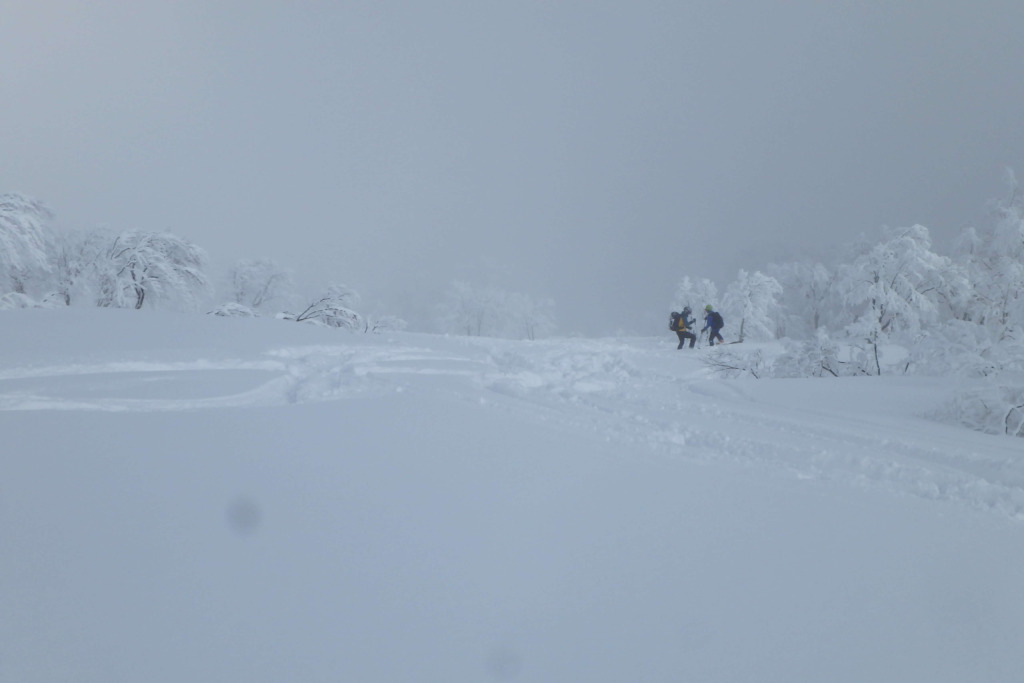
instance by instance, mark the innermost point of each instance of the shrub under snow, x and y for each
(994, 409)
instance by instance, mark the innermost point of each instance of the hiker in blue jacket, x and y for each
(713, 323)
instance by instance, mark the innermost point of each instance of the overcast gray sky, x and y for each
(589, 151)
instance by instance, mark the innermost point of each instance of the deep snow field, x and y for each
(186, 498)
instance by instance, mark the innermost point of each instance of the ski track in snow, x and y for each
(634, 394)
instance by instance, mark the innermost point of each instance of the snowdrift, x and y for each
(240, 499)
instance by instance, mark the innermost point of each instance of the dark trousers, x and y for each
(683, 336)
(713, 334)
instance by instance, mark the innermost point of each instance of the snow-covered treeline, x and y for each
(895, 304)
(44, 267)
(896, 289)
(492, 312)
(40, 266)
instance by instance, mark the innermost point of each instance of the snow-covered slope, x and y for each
(187, 498)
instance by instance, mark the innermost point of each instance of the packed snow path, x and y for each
(639, 393)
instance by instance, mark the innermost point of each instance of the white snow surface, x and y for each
(193, 498)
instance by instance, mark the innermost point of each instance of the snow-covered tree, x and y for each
(333, 309)
(256, 283)
(81, 266)
(68, 267)
(527, 318)
(470, 310)
(379, 324)
(735, 364)
(818, 357)
(971, 252)
(996, 408)
(752, 299)
(492, 312)
(994, 262)
(806, 299)
(960, 348)
(694, 293)
(12, 301)
(894, 286)
(232, 309)
(157, 265)
(25, 243)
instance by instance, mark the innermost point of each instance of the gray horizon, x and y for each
(590, 152)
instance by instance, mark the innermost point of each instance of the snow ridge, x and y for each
(633, 392)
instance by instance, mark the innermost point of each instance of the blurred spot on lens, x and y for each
(504, 664)
(244, 515)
